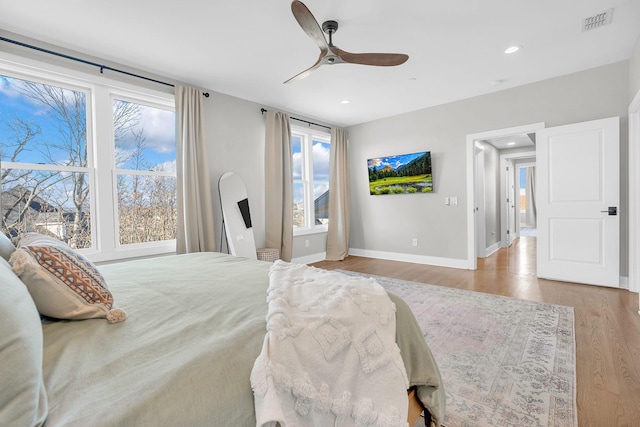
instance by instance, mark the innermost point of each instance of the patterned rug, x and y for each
(503, 361)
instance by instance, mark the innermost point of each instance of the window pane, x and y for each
(145, 141)
(54, 203)
(321, 203)
(146, 208)
(42, 124)
(298, 204)
(296, 150)
(310, 178)
(321, 151)
(144, 137)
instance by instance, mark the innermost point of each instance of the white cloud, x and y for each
(297, 165)
(321, 155)
(159, 129)
(374, 162)
(166, 166)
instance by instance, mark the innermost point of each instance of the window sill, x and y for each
(307, 231)
(129, 252)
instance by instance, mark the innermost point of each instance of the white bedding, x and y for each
(329, 356)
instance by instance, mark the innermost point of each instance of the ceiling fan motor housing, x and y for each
(330, 27)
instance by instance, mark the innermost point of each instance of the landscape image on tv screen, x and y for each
(401, 174)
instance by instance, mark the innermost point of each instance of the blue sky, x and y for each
(158, 128)
(393, 161)
(320, 154)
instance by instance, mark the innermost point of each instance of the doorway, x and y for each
(526, 225)
(501, 139)
(577, 216)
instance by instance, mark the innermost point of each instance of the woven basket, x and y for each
(268, 254)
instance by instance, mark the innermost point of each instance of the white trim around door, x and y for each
(503, 190)
(471, 261)
(634, 194)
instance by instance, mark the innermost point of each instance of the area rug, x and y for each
(503, 361)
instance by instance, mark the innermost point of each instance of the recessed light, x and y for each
(512, 49)
(345, 101)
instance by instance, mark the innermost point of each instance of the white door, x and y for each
(578, 199)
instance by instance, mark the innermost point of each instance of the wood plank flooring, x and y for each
(607, 323)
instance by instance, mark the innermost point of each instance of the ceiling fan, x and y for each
(330, 54)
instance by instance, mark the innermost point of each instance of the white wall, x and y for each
(235, 133)
(491, 195)
(386, 224)
(634, 71)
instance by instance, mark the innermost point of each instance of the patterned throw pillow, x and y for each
(63, 283)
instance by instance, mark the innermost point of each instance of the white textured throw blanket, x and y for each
(329, 357)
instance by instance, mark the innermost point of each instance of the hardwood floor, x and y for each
(607, 323)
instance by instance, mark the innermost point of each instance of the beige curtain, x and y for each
(338, 236)
(530, 213)
(278, 184)
(195, 200)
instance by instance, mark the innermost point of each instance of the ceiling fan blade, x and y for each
(379, 59)
(306, 72)
(308, 23)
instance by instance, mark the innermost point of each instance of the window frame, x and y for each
(308, 135)
(148, 102)
(100, 92)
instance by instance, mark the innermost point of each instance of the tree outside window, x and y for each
(50, 163)
(45, 161)
(145, 164)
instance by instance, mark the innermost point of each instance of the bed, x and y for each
(183, 357)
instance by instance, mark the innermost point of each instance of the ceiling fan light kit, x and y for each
(331, 54)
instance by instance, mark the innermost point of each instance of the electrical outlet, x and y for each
(414, 242)
(453, 201)
(306, 243)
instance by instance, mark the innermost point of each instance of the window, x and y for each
(62, 177)
(145, 163)
(310, 180)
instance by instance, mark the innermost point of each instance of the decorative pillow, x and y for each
(63, 283)
(6, 247)
(23, 399)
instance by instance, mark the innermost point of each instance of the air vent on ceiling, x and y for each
(597, 21)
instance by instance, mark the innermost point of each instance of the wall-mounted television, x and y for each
(401, 174)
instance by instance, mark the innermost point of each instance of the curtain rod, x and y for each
(84, 61)
(263, 110)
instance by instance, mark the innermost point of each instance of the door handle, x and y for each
(613, 210)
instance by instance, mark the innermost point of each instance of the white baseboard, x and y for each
(308, 259)
(624, 282)
(418, 259)
(492, 249)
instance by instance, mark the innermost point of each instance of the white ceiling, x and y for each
(512, 141)
(248, 48)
